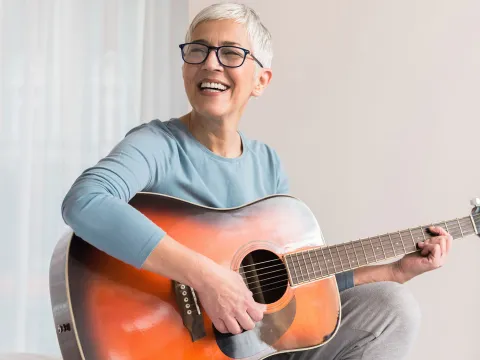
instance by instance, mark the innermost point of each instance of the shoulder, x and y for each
(269, 161)
(262, 151)
(153, 128)
(153, 135)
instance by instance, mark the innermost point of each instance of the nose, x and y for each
(211, 62)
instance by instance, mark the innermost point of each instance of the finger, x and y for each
(449, 243)
(439, 230)
(255, 313)
(220, 325)
(426, 249)
(442, 241)
(245, 321)
(232, 325)
(436, 251)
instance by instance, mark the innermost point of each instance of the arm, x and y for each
(97, 209)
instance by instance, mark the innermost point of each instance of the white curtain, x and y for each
(75, 76)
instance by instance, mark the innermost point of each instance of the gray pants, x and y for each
(380, 321)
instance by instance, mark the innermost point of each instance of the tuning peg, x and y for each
(475, 202)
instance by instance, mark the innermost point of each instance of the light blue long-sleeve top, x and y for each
(164, 157)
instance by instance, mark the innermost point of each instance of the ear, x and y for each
(262, 81)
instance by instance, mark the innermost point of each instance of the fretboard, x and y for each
(317, 263)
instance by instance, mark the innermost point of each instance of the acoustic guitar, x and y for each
(106, 309)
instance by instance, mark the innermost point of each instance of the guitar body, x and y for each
(106, 309)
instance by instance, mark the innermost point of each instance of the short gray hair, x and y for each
(258, 34)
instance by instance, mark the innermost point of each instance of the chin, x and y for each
(211, 111)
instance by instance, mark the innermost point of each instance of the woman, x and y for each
(201, 157)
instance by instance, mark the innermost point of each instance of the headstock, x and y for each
(476, 213)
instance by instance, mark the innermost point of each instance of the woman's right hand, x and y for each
(222, 292)
(227, 300)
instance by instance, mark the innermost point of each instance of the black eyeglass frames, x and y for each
(228, 56)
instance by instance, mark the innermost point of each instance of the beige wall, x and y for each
(374, 109)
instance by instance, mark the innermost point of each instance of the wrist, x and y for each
(200, 272)
(398, 273)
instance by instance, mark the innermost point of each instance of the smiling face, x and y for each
(215, 91)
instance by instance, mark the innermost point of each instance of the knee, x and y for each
(400, 306)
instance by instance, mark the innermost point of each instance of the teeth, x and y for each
(213, 85)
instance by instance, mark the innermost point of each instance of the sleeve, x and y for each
(345, 280)
(96, 206)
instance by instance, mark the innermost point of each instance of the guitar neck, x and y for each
(314, 264)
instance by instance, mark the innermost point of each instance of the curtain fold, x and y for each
(75, 76)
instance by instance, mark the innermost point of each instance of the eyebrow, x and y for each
(227, 43)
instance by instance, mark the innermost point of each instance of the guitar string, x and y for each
(348, 251)
(375, 239)
(311, 263)
(319, 263)
(340, 259)
(396, 235)
(321, 269)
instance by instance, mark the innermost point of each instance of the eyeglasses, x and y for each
(228, 56)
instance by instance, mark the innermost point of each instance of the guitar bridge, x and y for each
(190, 310)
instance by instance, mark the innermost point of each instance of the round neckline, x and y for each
(207, 150)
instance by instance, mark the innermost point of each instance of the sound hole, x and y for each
(265, 276)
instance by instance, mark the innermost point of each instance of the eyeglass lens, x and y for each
(228, 55)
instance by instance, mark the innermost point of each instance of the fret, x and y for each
(371, 244)
(292, 259)
(413, 238)
(383, 249)
(473, 224)
(339, 257)
(423, 233)
(393, 247)
(333, 261)
(348, 257)
(300, 267)
(289, 257)
(312, 263)
(306, 266)
(366, 258)
(326, 262)
(319, 264)
(355, 252)
(460, 226)
(446, 226)
(404, 251)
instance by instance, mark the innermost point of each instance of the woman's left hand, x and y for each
(433, 255)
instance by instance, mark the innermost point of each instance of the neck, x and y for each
(218, 135)
(318, 263)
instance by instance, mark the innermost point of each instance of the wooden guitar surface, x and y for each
(106, 309)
